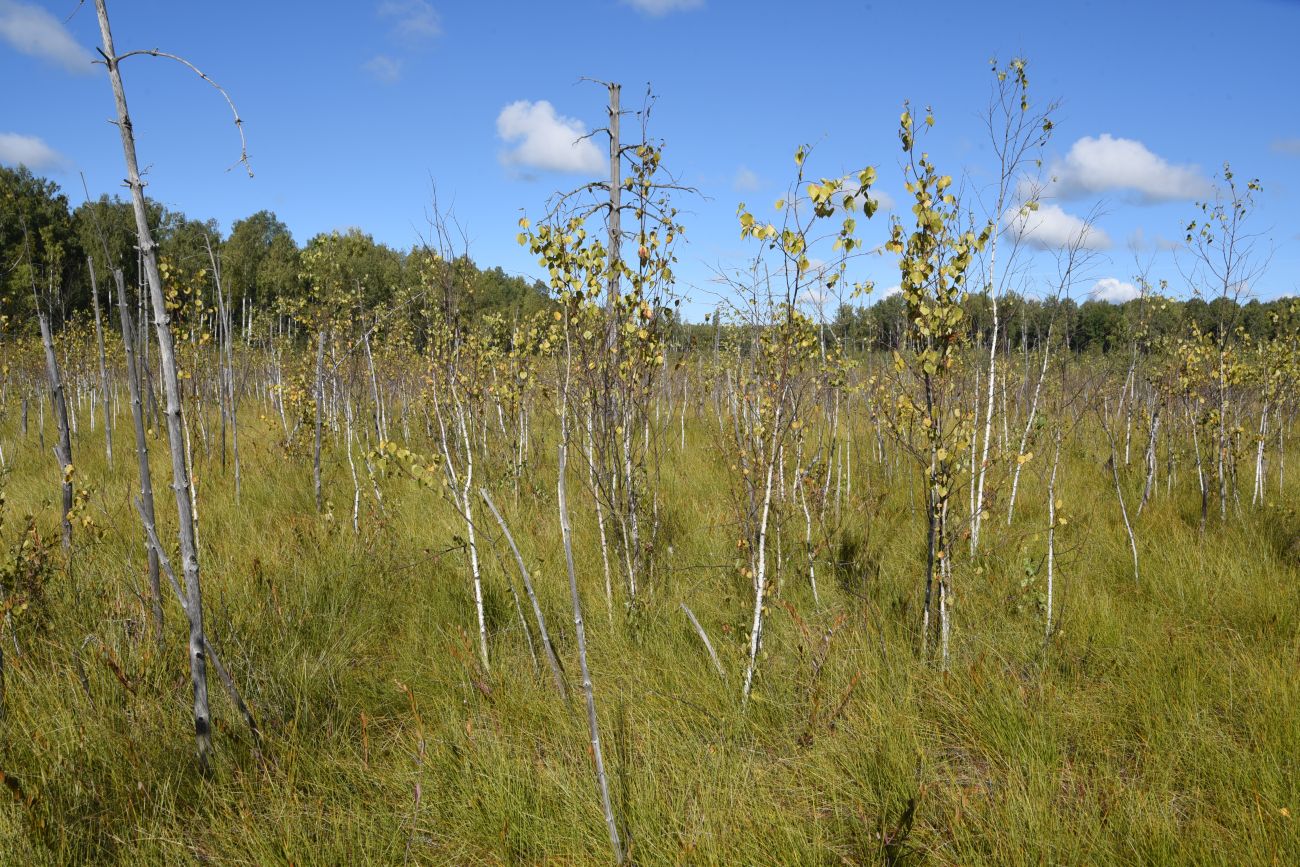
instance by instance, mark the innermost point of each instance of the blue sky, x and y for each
(353, 110)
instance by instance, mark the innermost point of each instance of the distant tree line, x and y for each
(46, 242)
(1090, 326)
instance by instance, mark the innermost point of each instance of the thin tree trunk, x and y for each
(141, 450)
(63, 448)
(1119, 494)
(551, 660)
(593, 729)
(171, 388)
(320, 411)
(1051, 534)
(704, 637)
(760, 572)
(103, 367)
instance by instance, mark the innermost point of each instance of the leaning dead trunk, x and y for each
(551, 659)
(236, 698)
(171, 389)
(63, 448)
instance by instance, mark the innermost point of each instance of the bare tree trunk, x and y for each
(1029, 428)
(141, 450)
(760, 573)
(1051, 534)
(615, 210)
(228, 682)
(467, 509)
(320, 411)
(63, 448)
(551, 660)
(103, 367)
(1151, 463)
(171, 388)
(226, 366)
(566, 535)
(704, 637)
(1119, 494)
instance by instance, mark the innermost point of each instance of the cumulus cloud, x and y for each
(1288, 146)
(1050, 228)
(539, 138)
(33, 31)
(890, 291)
(663, 7)
(1105, 163)
(745, 181)
(1114, 290)
(383, 68)
(28, 150)
(413, 19)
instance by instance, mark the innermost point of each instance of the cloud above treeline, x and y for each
(1114, 290)
(1106, 164)
(28, 150)
(35, 32)
(541, 139)
(1051, 228)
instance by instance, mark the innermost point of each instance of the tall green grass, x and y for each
(1159, 726)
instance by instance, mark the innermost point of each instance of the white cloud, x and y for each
(889, 291)
(32, 30)
(745, 181)
(542, 139)
(1114, 290)
(1105, 163)
(1288, 146)
(383, 68)
(663, 7)
(815, 297)
(1050, 228)
(28, 150)
(413, 19)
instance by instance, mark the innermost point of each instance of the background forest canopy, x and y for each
(262, 267)
(266, 273)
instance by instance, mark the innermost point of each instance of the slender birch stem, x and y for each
(580, 630)
(551, 659)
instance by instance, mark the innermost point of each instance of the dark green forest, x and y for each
(263, 270)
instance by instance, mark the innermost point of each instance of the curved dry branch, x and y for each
(239, 122)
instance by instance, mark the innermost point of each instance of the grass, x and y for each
(1158, 727)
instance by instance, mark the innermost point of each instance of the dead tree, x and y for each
(170, 379)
